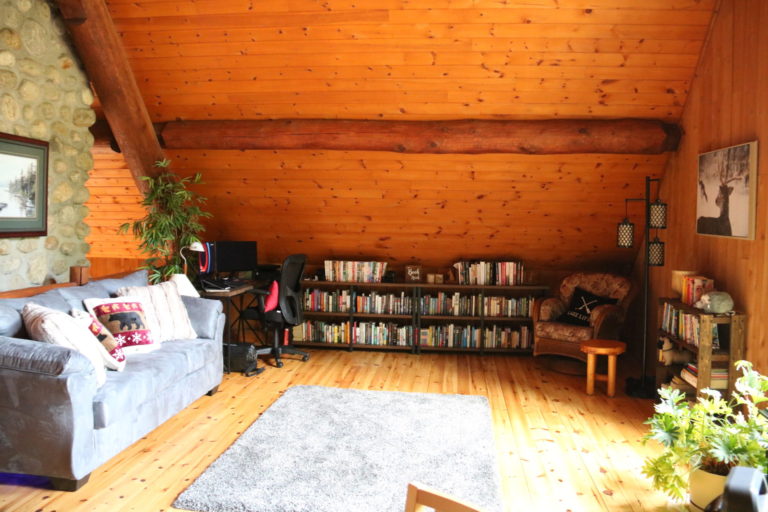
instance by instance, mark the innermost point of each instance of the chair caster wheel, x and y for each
(305, 358)
(279, 364)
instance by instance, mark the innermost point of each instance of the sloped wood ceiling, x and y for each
(417, 60)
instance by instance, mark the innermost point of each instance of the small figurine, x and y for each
(715, 302)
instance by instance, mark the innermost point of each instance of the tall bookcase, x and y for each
(693, 330)
(418, 316)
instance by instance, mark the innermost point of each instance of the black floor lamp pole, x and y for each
(642, 388)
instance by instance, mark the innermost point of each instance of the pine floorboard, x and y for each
(558, 449)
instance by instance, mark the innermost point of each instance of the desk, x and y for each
(226, 297)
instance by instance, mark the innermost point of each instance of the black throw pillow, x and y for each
(582, 304)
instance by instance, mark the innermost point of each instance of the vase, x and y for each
(705, 487)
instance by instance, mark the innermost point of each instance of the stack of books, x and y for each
(355, 271)
(497, 273)
(694, 287)
(718, 380)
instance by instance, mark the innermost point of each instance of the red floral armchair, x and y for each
(556, 338)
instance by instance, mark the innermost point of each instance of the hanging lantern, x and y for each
(656, 253)
(625, 234)
(657, 215)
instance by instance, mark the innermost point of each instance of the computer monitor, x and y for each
(228, 256)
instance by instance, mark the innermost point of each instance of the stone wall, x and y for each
(44, 95)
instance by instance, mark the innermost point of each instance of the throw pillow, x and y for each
(582, 304)
(163, 301)
(125, 318)
(113, 355)
(58, 328)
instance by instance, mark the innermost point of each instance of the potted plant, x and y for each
(711, 435)
(171, 223)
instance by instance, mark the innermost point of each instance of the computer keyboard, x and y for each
(222, 283)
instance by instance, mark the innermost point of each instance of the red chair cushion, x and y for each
(270, 303)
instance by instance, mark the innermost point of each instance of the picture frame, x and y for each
(727, 191)
(23, 186)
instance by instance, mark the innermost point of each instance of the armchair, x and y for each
(551, 337)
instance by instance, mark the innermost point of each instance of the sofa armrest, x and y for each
(606, 321)
(206, 316)
(547, 310)
(46, 410)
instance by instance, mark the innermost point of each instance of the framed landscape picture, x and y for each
(23, 186)
(726, 192)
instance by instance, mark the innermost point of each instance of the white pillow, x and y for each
(112, 353)
(166, 314)
(58, 328)
(126, 319)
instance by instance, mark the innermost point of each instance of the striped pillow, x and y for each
(163, 301)
(58, 328)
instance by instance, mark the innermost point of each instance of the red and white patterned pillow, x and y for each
(113, 354)
(125, 318)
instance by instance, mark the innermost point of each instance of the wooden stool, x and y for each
(594, 348)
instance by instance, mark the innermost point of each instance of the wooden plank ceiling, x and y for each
(416, 60)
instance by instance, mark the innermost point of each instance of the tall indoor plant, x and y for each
(712, 434)
(171, 223)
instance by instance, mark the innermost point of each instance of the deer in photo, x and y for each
(719, 225)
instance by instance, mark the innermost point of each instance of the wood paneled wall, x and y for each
(554, 212)
(114, 200)
(413, 59)
(728, 105)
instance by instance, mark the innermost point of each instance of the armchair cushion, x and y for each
(551, 308)
(563, 332)
(582, 304)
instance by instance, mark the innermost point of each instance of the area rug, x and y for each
(320, 449)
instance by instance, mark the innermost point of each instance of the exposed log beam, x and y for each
(631, 136)
(106, 65)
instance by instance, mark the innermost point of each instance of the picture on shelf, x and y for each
(726, 192)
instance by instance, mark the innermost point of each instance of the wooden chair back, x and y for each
(421, 498)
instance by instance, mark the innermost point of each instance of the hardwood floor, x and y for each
(559, 449)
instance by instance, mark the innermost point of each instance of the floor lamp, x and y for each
(655, 218)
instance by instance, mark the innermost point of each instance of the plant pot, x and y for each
(705, 487)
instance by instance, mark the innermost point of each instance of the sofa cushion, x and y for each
(148, 375)
(138, 278)
(11, 324)
(124, 317)
(57, 328)
(74, 295)
(166, 314)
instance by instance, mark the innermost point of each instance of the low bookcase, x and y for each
(418, 316)
(715, 342)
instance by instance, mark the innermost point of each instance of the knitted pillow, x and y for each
(163, 301)
(125, 318)
(113, 355)
(58, 328)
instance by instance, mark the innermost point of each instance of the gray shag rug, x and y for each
(320, 449)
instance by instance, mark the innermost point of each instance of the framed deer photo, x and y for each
(727, 192)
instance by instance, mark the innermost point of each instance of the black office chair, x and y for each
(288, 310)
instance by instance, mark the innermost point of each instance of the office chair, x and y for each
(281, 306)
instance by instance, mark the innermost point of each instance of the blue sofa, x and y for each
(55, 422)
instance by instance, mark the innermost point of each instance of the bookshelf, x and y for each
(418, 316)
(715, 341)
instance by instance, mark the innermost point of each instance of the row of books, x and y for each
(693, 287)
(344, 301)
(718, 377)
(364, 333)
(355, 271)
(685, 326)
(391, 334)
(498, 273)
(457, 304)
